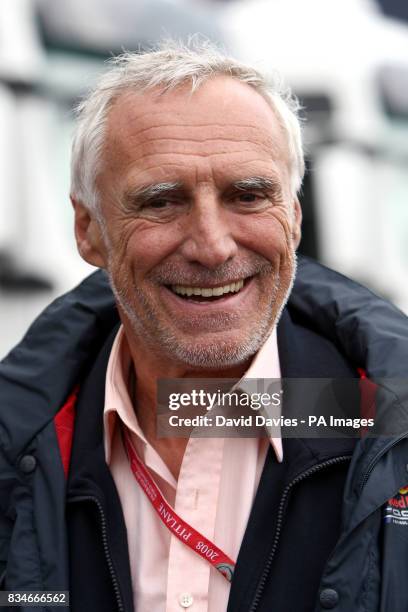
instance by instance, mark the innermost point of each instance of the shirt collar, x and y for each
(265, 364)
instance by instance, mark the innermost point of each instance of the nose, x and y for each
(209, 234)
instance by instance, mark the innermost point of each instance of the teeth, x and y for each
(207, 291)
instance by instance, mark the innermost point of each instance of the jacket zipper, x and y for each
(279, 522)
(108, 556)
(376, 459)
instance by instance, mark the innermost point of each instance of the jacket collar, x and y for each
(305, 354)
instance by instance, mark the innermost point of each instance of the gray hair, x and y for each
(169, 65)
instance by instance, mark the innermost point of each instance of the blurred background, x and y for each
(347, 60)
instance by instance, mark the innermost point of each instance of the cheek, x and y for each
(142, 247)
(269, 236)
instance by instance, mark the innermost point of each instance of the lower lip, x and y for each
(232, 300)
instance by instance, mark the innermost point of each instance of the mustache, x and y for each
(180, 273)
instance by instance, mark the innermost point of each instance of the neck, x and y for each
(143, 390)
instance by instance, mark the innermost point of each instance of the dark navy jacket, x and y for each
(317, 537)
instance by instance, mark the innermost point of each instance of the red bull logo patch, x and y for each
(396, 511)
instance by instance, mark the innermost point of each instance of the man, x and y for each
(185, 172)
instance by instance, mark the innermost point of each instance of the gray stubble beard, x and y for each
(211, 357)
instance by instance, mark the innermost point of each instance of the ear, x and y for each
(296, 223)
(88, 234)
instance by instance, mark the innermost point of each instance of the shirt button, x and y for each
(186, 600)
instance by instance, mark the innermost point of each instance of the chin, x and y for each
(215, 355)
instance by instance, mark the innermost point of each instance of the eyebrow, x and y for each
(258, 183)
(146, 193)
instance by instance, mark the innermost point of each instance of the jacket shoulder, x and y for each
(38, 375)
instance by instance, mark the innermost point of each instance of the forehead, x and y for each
(223, 123)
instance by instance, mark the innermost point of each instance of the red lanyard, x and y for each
(179, 528)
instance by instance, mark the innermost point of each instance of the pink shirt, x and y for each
(211, 494)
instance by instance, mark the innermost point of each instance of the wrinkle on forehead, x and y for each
(132, 136)
(215, 120)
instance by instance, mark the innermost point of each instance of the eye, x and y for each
(249, 200)
(162, 209)
(250, 197)
(157, 204)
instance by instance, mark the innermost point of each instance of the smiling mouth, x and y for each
(208, 294)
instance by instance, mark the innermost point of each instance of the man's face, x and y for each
(200, 226)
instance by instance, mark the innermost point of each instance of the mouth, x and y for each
(208, 294)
